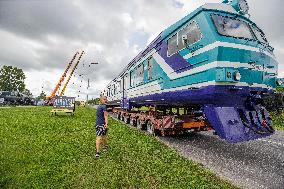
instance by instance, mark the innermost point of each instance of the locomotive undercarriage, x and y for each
(245, 120)
(165, 120)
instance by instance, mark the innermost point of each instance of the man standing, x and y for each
(101, 124)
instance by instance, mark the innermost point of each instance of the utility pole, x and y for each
(85, 74)
(88, 89)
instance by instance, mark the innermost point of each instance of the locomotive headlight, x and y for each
(237, 76)
(229, 75)
(243, 6)
(279, 82)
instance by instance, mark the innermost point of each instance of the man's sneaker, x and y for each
(105, 147)
(97, 154)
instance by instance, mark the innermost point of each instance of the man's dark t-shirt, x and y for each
(100, 114)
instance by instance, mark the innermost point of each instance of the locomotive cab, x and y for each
(229, 60)
(242, 42)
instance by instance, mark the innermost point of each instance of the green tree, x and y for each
(12, 79)
(27, 92)
(94, 101)
(42, 96)
(280, 89)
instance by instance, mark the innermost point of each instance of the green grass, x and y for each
(38, 150)
(278, 120)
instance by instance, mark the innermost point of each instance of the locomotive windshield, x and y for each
(232, 27)
(237, 28)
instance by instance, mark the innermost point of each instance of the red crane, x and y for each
(75, 66)
(52, 95)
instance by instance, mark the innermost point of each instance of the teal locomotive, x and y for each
(214, 60)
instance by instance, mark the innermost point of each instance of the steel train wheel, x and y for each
(126, 120)
(150, 128)
(133, 122)
(121, 117)
(139, 125)
(118, 116)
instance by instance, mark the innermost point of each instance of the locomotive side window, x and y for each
(118, 87)
(114, 89)
(150, 68)
(232, 27)
(121, 85)
(172, 45)
(188, 35)
(192, 33)
(108, 92)
(133, 77)
(126, 81)
(140, 74)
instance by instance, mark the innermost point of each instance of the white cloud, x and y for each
(38, 81)
(126, 18)
(18, 51)
(41, 37)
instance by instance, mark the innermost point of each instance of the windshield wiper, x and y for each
(263, 46)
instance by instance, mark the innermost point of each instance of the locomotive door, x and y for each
(124, 103)
(122, 96)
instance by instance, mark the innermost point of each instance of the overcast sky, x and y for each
(41, 36)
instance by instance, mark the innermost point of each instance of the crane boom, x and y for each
(64, 88)
(51, 96)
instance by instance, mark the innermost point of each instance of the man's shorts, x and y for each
(101, 130)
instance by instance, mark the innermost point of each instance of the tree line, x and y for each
(12, 79)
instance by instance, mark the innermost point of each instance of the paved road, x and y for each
(254, 164)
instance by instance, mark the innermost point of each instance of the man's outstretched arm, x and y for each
(106, 118)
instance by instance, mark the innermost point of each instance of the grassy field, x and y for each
(38, 150)
(278, 120)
